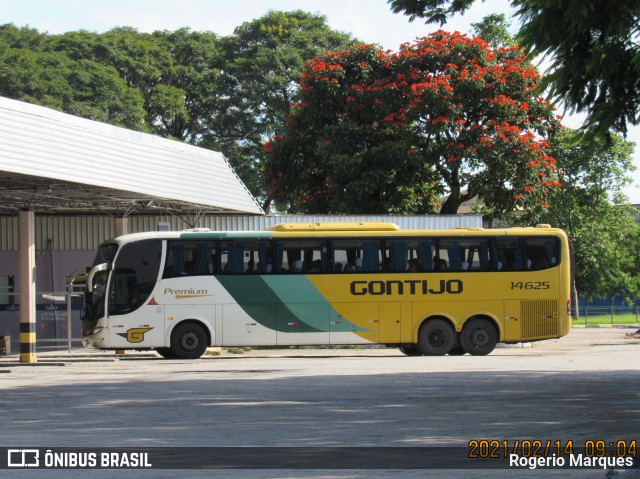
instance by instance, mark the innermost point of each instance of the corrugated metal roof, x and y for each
(51, 161)
(405, 222)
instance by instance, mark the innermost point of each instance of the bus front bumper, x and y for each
(97, 339)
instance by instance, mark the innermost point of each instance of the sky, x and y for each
(368, 20)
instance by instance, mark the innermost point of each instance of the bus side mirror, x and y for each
(92, 273)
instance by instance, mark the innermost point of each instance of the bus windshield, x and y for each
(134, 276)
(105, 254)
(129, 280)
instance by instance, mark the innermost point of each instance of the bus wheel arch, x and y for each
(479, 335)
(436, 336)
(189, 339)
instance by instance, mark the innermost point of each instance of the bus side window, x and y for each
(307, 256)
(449, 255)
(190, 259)
(508, 254)
(409, 255)
(397, 254)
(542, 253)
(358, 255)
(426, 250)
(265, 257)
(476, 254)
(464, 254)
(246, 256)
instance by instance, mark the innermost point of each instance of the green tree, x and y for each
(227, 94)
(265, 59)
(379, 132)
(31, 71)
(21, 37)
(140, 61)
(173, 73)
(591, 209)
(594, 47)
(336, 155)
(188, 99)
(494, 29)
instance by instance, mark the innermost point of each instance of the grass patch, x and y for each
(608, 319)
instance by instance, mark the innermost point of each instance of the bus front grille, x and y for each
(539, 319)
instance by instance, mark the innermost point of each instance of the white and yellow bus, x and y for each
(426, 292)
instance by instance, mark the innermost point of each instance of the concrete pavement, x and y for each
(583, 387)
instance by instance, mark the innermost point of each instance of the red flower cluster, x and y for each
(461, 99)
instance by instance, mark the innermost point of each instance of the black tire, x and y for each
(479, 337)
(188, 341)
(410, 350)
(436, 338)
(457, 351)
(165, 353)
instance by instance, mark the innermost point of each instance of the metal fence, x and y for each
(614, 313)
(57, 320)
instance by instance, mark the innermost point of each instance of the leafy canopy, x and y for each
(224, 93)
(377, 132)
(592, 210)
(594, 47)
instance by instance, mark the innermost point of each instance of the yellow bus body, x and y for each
(427, 292)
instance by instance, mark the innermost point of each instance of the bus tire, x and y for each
(457, 351)
(410, 350)
(188, 341)
(436, 338)
(166, 353)
(479, 337)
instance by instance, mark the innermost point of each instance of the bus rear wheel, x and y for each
(457, 351)
(479, 337)
(410, 350)
(436, 338)
(188, 341)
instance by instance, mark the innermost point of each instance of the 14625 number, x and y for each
(530, 285)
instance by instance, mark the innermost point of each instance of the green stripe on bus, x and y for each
(257, 299)
(296, 299)
(309, 304)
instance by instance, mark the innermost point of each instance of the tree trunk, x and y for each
(452, 203)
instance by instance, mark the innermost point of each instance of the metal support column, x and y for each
(122, 226)
(27, 265)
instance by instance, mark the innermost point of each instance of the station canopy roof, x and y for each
(55, 163)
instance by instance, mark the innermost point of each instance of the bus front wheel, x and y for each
(166, 353)
(188, 341)
(479, 337)
(436, 338)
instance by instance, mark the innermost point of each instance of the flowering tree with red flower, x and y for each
(376, 131)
